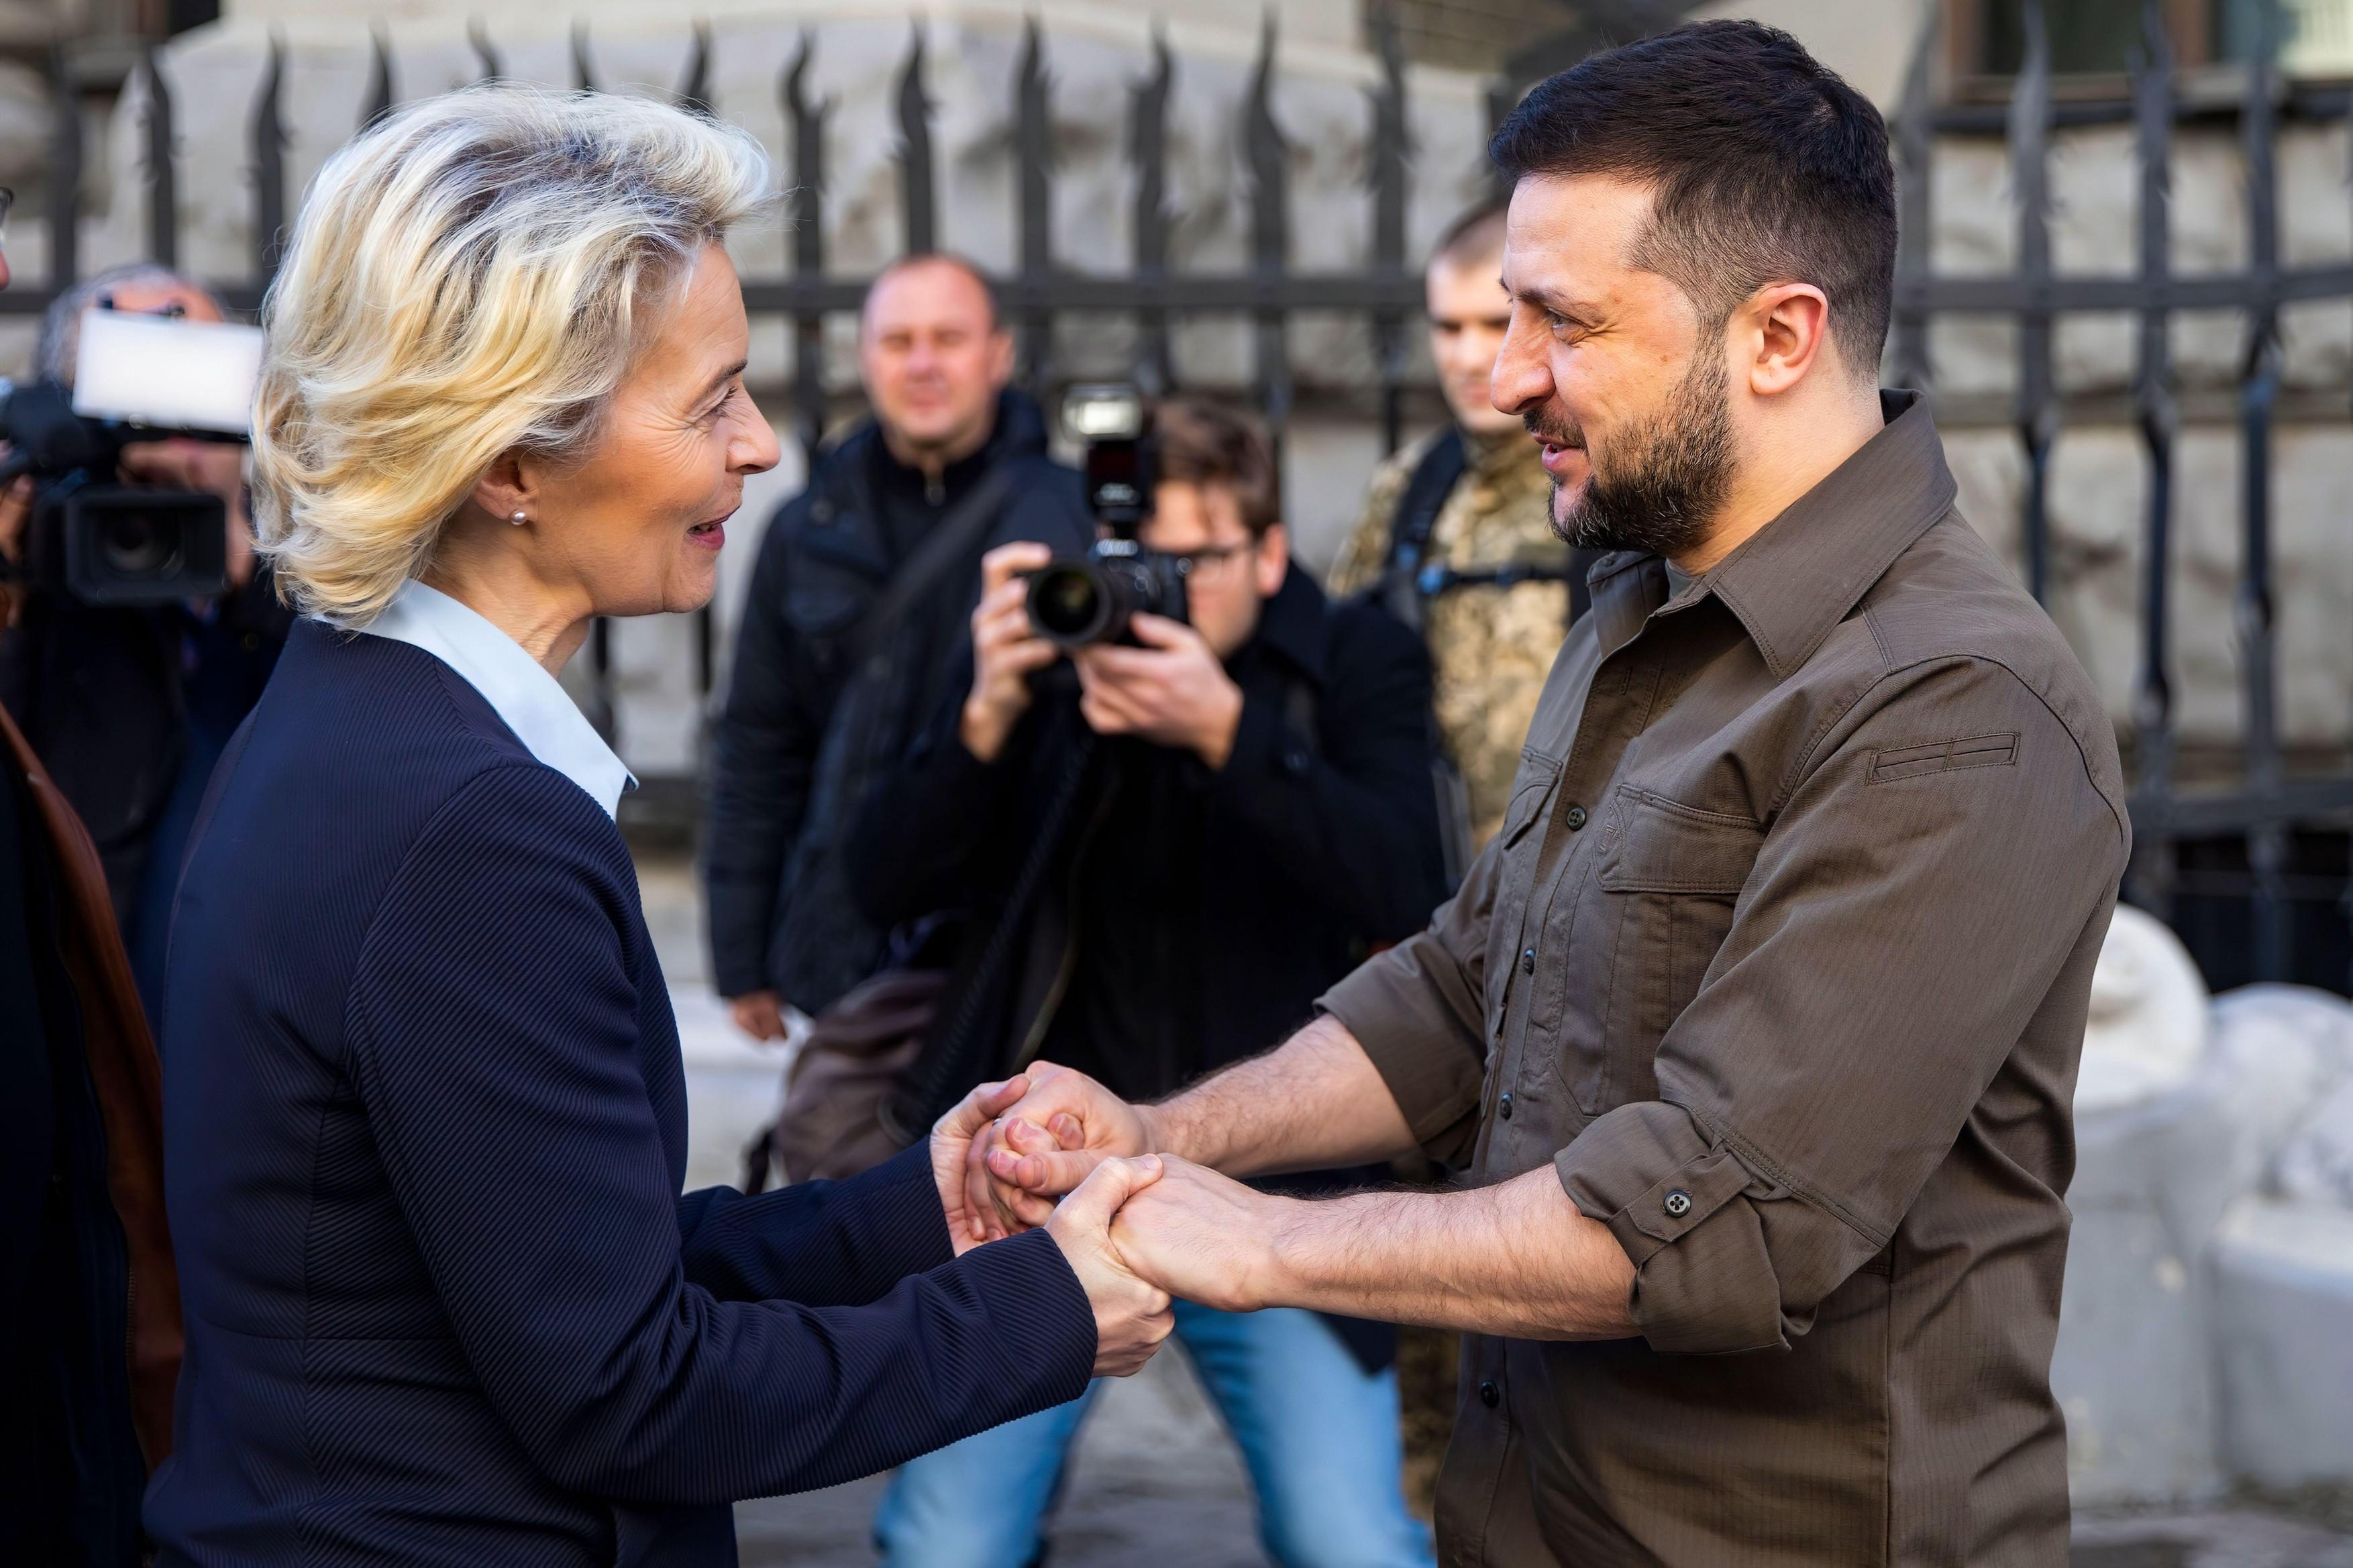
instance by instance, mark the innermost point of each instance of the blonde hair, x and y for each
(466, 281)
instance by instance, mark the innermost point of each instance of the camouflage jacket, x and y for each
(1490, 648)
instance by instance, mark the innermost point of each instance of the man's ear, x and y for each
(1272, 560)
(1000, 357)
(1788, 337)
(506, 488)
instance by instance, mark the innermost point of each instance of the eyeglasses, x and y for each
(1207, 562)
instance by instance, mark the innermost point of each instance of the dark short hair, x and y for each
(1198, 442)
(1767, 166)
(1473, 235)
(963, 264)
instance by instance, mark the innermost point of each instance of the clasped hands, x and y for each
(1052, 1148)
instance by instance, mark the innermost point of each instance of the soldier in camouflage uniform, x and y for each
(1490, 585)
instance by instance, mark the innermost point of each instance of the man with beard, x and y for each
(1756, 1026)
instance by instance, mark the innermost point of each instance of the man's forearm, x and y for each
(1516, 1259)
(1314, 1102)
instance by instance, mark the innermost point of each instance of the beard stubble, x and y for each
(1662, 495)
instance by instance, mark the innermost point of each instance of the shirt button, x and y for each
(1504, 1108)
(1575, 817)
(1528, 961)
(1490, 1395)
(1678, 1204)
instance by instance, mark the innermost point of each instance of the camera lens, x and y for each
(1066, 603)
(140, 544)
(137, 544)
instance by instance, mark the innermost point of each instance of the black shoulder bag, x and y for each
(831, 1123)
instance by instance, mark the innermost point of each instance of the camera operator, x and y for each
(90, 1324)
(1167, 848)
(129, 706)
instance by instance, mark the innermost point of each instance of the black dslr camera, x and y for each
(92, 537)
(1081, 599)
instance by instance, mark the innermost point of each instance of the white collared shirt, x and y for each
(518, 687)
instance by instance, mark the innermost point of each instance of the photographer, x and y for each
(129, 706)
(1164, 850)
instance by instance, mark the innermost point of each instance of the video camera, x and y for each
(1075, 600)
(136, 378)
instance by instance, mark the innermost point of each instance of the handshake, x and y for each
(1138, 1227)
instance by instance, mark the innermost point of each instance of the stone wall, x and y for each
(2098, 485)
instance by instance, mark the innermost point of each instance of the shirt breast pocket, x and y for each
(1519, 843)
(1530, 789)
(1673, 874)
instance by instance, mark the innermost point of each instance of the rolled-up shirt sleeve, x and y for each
(1901, 925)
(1417, 1011)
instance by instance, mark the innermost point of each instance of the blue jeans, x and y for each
(1318, 1432)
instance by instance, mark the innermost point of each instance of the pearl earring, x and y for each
(520, 518)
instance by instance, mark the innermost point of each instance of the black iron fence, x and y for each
(2262, 806)
(2240, 842)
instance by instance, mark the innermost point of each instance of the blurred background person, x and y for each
(1456, 538)
(89, 1308)
(855, 611)
(1163, 851)
(129, 706)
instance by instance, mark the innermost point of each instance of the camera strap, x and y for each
(950, 542)
(1415, 520)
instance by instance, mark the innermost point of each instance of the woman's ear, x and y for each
(507, 488)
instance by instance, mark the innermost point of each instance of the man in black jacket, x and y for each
(1163, 852)
(850, 626)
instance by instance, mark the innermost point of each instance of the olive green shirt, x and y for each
(1781, 963)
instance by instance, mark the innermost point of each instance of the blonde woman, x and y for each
(425, 1109)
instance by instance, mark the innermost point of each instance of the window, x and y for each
(2086, 36)
(2318, 41)
(2097, 38)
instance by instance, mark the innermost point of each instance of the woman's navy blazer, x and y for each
(425, 1128)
